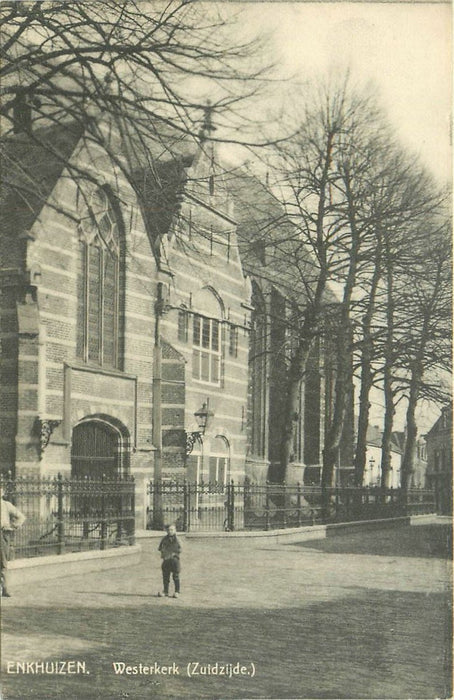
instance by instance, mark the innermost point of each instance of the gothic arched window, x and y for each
(98, 281)
(259, 368)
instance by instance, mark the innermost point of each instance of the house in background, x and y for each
(418, 477)
(439, 460)
(372, 472)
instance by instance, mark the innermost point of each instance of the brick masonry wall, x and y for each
(37, 367)
(198, 262)
(8, 370)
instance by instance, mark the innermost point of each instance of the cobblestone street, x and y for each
(359, 616)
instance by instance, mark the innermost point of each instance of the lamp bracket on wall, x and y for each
(202, 416)
(191, 439)
(44, 428)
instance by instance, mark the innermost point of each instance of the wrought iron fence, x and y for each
(191, 506)
(71, 515)
(248, 506)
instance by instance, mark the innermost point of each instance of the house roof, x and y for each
(375, 435)
(442, 423)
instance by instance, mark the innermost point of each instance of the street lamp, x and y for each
(371, 467)
(202, 416)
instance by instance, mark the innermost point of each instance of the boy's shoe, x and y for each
(163, 595)
(176, 595)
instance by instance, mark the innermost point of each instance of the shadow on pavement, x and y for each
(414, 541)
(375, 644)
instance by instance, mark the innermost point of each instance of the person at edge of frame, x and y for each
(170, 549)
(12, 519)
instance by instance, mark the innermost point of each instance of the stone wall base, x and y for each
(72, 564)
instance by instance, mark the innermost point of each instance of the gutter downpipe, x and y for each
(157, 411)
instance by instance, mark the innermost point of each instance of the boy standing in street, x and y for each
(170, 549)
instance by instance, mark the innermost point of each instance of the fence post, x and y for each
(267, 506)
(158, 516)
(132, 535)
(298, 502)
(404, 496)
(120, 491)
(189, 504)
(284, 504)
(61, 525)
(103, 515)
(185, 505)
(231, 507)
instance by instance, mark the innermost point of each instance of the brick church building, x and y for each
(138, 333)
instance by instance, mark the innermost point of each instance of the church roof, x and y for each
(157, 166)
(31, 167)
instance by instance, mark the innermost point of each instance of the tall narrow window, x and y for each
(98, 281)
(258, 373)
(183, 326)
(206, 356)
(207, 336)
(233, 341)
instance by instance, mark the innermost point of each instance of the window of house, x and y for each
(233, 341)
(206, 356)
(98, 281)
(183, 325)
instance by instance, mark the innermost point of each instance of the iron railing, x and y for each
(71, 515)
(248, 506)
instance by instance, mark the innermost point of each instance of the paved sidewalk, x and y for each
(360, 616)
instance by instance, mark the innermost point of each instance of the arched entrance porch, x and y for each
(99, 448)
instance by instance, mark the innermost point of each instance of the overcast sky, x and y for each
(405, 48)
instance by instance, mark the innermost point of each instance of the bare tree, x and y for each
(336, 239)
(328, 169)
(425, 346)
(403, 195)
(419, 202)
(129, 76)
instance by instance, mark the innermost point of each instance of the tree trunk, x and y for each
(292, 400)
(416, 377)
(387, 429)
(408, 458)
(344, 348)
(310, 328)
(363, 422)
(407, 464)
(387, 375)
(366, 374)
(334, 433)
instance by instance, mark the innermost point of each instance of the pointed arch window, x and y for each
(258, 372)
(98, 280)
